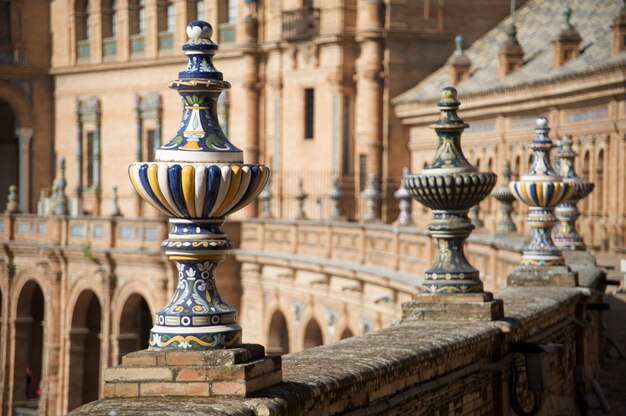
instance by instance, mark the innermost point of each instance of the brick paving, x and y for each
(612, 376)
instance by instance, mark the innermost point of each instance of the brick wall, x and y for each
(433, 368)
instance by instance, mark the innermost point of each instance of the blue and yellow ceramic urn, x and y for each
(197, 179)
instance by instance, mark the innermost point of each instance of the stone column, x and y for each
(277, 86)
(369, 87)
(251, 86)
(24, 136)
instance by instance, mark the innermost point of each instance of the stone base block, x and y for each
(453, 307)
(228, 372)
(527, 275)
(583, 258)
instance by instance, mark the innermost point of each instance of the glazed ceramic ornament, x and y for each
(566, 237)
(198, 178)
(450, 186)
(505, 197)
(542, 189)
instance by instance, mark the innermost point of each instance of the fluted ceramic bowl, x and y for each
(581, 190)
(452, 191)
(503, 194)
(546, 194)
(198, 190)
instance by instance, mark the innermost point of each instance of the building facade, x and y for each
(311, 91)
(572, 73)
(26, 102)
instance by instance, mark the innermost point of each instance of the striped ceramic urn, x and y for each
(542, 189)
(197, 179)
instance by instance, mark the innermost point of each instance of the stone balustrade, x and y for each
(99, 232)
(400, 252)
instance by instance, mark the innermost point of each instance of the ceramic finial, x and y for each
(12, 200)
(458, 41)
(567, 15)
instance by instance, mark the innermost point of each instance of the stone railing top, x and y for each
(421, 351)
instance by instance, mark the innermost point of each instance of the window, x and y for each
(113, 19)
(137, 17)
(232, 12)
(309, 104)
(166, 20)
(227, 18)
(83, 30)
(141, 18)
(5, 21)
(89, 165)
(599, 189)
(109, 19)
(109, 29)
(586, 176)
(200, 10)
(151, 143)
(137, 26)
(362, 171)
(346, 150)
(169, 16)
(87, 20)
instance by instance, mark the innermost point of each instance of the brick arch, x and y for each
(345, 324)
(308, 316)
(120, 301)
(22, 278)
(278, 321)
(20, 105)
(84, 283)
(85, 345)
(122, 294)
(28, 314)
(278, 305)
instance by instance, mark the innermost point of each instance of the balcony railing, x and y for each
(137, 44)
(227, 33)
(96, 232)
(300, 24)
(83, 49)
(109, 47)
(11, 55)
(166, 41)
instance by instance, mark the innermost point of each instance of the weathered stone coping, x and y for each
(383, 365)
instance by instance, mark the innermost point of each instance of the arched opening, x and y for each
(135, 325)
(347, 333)
(600, 183)
(490, 201)
(84, 380)
(9, 156)
(29, 324)
(312, 335)
(586, 176)
(278, 336)
(517, 164)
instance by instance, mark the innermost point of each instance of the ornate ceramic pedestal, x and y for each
(542, 189)
(502, 193)
(198, 179)
(566, 237)
(402, 195)
(450, 186)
